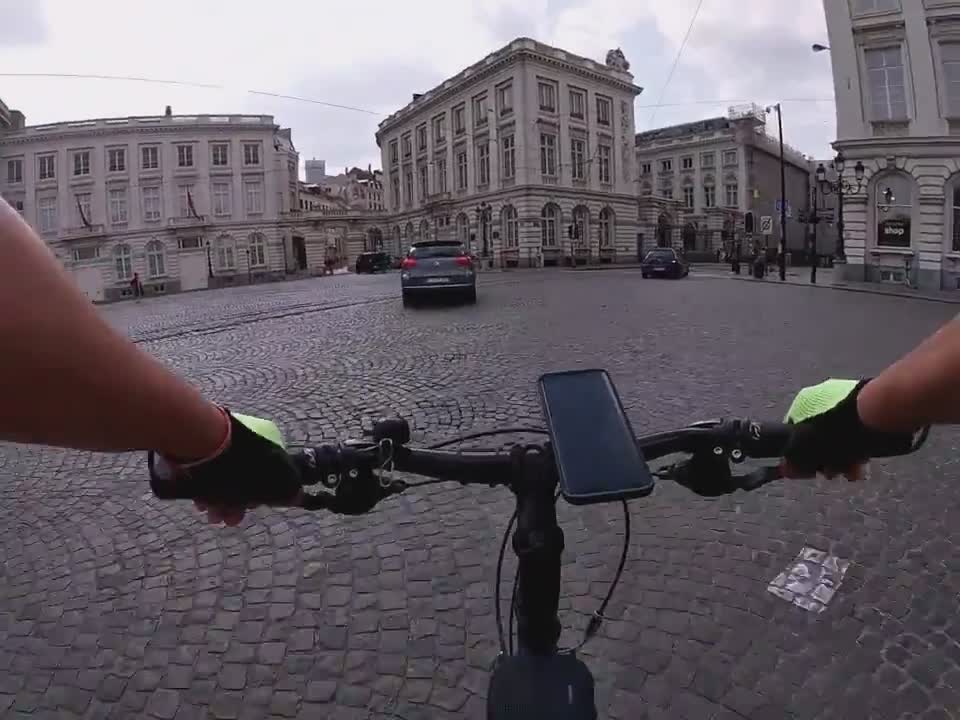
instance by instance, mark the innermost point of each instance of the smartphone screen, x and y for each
(596, 452)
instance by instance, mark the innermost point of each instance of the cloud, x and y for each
(23, 23)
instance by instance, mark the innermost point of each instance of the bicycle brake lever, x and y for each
(756, 478)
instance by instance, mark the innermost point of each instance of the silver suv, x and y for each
(438, 267)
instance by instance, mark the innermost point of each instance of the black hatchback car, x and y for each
(664, 262)
(371, 262)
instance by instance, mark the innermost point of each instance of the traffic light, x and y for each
(748, 222)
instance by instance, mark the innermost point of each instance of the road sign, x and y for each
(766, 224)
(789, 209)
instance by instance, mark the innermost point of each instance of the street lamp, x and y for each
(817, 47)
(484, 212)
(783, 197)
(840, 186)
(209, 261)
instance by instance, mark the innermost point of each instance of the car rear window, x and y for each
(429, 251)
(661, 255)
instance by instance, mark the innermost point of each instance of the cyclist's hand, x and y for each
(253, 469)
(830, 438)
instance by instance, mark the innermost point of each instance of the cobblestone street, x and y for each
(114, 605)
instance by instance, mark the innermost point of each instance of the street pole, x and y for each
(841, 250)
(815, 222)
(783, 200)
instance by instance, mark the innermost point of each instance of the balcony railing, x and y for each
(189, 221)
(83, 232)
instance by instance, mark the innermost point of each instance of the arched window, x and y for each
(581, 226)
(424, 230)
(397, 241)
(607, 223)
(258, 250)
(123, 261)
(893, 196)
(408, 235)
(225, 251)
(689, 237)
(510, 229)
(549, 225)
(463, 229)
(953, 211)
(156, 259)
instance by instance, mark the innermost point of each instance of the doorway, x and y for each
(300, 252)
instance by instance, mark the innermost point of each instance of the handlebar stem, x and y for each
(538, 544)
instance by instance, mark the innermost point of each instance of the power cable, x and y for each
(676, 60)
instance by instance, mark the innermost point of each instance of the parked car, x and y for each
(371, 262)
(664, 262)
(438, 267)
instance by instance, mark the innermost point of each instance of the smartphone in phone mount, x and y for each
(595, 448)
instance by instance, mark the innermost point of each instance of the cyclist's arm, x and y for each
(922, 388)
(67, 378)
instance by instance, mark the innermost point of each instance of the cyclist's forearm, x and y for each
(67, 378)
(922, 388)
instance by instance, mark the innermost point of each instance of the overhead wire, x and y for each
(676, 60)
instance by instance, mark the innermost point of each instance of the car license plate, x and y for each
(659, 269)
(437, 280)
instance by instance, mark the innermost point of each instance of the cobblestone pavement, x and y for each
(114, 605)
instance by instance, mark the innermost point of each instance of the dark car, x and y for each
(438, 267)
(371, 262)
(664, 262)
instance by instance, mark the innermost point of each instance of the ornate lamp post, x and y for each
(840, 186)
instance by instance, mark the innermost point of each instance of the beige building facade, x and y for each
(896, 73)
(526, 156)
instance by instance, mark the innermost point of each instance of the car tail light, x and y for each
(408, 263)
(464, 261)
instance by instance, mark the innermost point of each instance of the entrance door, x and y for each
(300, 253)
(194, 273)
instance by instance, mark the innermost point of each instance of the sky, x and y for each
(372, 55)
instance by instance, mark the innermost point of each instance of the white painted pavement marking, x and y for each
(811, 580)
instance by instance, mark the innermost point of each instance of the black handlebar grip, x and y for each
(163, 481)
(767, 440)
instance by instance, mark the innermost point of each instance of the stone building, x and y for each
(896, 74)
(698, 179)
(526, 156)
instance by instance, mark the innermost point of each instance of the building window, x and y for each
(688, 197)
(90, 252)
(149, 157)
(505, 99)
(709, 196)
(862, 7)
(463, 229)
(645, 168)
(581, 226)
(123, 262)
(251, 153)
(151, 203)
(459, 124)
(225, 251)
(686, 162)
(547, 93)
(221, 199)
(47, 169)
(422, 138)
(731, 191)
(81, 163)
(184, 156)
(117, 204)
(82, 202)
(186, 201)
(406, 145)
(509, 157)
(548, 154)
(394, 158)
(462, 170)
(667, 192)
(603, 111)
(729, 157)
(577, 156)
(606, 228)
(707, 160)
(440, 174)
(220, 154)
(950, 60)
(156, 259)
(395, 190)
(549, 224)
(439, 129)
(955, 215)
(408, 187)
(893, 217)
(510, 226)
(117, 160)
(888, 99)
(422, 176)
(258, 250)
(15, 171)
(483, 164)
(480, 110)
(253, 192)
(604, 156)
(666, 166)
(578, 103)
